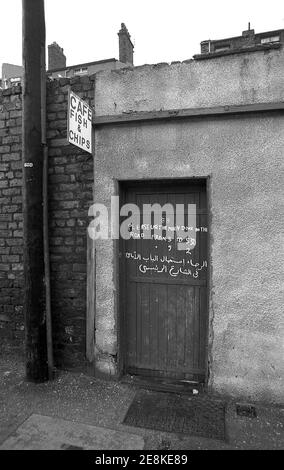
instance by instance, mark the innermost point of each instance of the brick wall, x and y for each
(70, 190)
(11, 251)
(70, 195)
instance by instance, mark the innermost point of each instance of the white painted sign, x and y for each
(80, 117)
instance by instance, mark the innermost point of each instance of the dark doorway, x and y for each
(163, 291)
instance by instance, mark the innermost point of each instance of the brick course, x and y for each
(70, 195)
(11, 251)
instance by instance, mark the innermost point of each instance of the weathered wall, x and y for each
(242, 155)
(70, 195)
(241, 79)
(11, 254)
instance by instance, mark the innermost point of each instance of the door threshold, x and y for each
(164, 384)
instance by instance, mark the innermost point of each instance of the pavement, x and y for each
(76, 404)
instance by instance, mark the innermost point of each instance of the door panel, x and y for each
(165, 290)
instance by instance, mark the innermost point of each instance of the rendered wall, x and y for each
(242, 155)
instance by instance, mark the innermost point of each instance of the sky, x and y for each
(162, 30)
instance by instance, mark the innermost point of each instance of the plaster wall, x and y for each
(229, 80)
(242, 155)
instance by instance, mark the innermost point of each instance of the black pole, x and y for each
(34, 287)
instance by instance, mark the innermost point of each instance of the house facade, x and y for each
(11, 75)
(57, 60)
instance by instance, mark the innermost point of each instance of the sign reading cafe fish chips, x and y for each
(79, 122)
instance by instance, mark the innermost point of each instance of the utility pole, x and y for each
(33, 157)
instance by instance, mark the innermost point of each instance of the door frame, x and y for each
(122, 186)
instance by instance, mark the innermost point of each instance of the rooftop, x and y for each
(249, 41)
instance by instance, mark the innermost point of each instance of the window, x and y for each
(270, 39)
(223, 47)
(81, 71)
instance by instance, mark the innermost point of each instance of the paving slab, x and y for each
(40, 432)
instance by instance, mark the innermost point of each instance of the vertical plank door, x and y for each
(164, 289)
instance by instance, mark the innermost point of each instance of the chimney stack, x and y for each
(248, 37)
(126, 47)
(56, 57)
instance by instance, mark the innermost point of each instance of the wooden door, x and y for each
(164, 290)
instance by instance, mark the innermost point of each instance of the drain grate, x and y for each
(168, 412)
